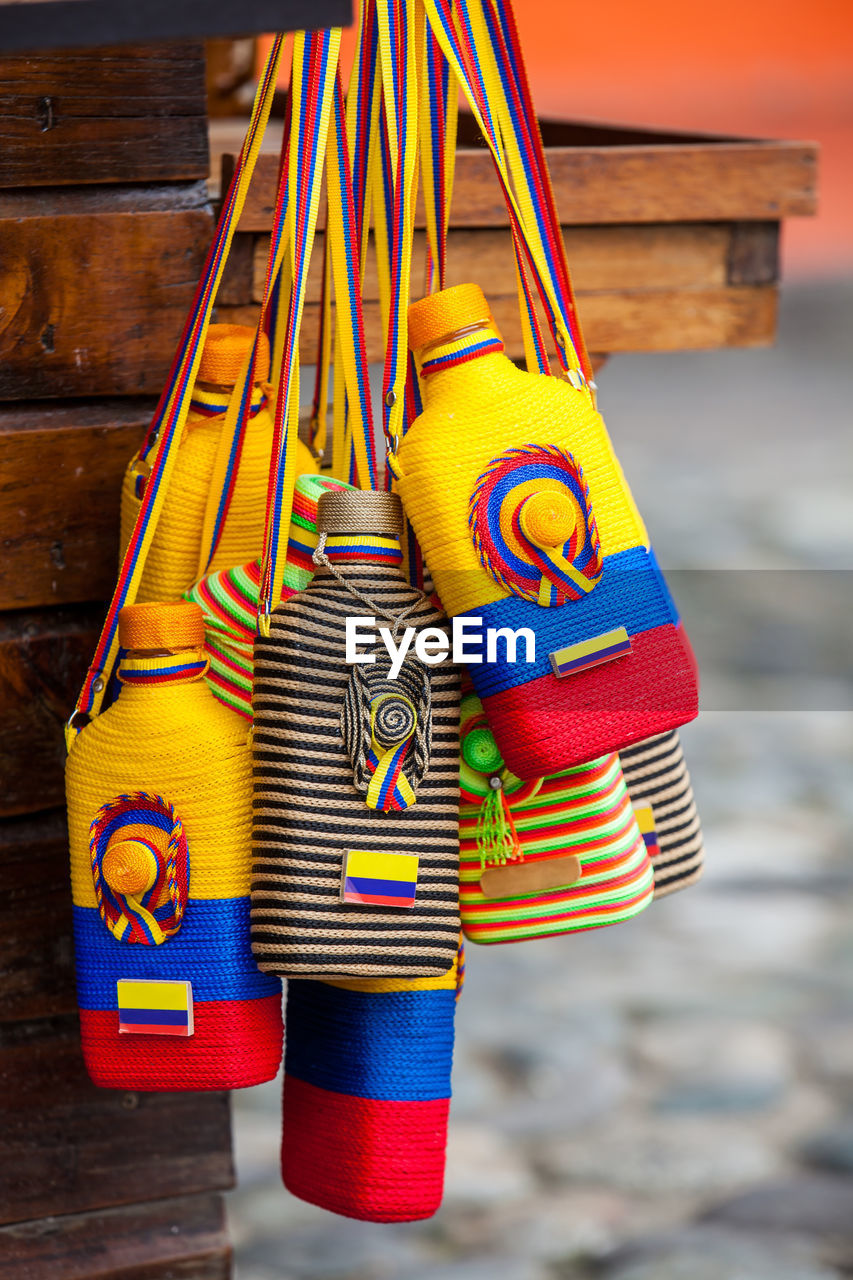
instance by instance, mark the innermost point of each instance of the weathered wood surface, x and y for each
(95, 285)
(621, 176)
(681, 256)
(60, 473)
(68, 1147)
(66, 24)
(660, 320)
(103, 115)
(36, 957)
(44, 656)
(175, 1239)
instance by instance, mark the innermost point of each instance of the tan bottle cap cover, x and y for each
(359, 511)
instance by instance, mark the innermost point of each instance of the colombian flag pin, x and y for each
(590, 653)
(147, 1006)
(380, 879)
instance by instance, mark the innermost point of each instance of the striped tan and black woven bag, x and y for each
(356, 770)
(659, 785)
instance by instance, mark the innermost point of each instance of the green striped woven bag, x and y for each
(550, 856)
(229, 598)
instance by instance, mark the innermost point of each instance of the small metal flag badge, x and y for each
(148, 1006)
(645, 815)
(589, 653)
(379, 879)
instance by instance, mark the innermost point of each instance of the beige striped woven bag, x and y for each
(356, 854)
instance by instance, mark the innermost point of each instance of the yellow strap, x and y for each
(496, 146)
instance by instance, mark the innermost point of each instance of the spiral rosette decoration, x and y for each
(533, 526)
(140, 868)
(386, 727)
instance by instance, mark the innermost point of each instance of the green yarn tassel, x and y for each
(497, 838)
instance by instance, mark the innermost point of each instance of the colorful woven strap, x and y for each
(168, 422)
(483, 89)
(398, 35)
(345, 253)
(313, 81)
(439, 109)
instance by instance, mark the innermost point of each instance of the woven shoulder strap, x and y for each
(315, 56)
(170, 416)
(473, 47)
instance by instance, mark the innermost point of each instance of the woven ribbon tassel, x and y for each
(387, 727)
(393, 721)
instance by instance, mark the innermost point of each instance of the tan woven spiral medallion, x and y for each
(352, 761)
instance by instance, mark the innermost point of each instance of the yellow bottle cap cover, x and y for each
(226, 349)
(441, 314)
(176, 625)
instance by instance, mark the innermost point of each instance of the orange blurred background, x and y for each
(759, 68)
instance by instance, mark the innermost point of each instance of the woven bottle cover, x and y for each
(526, 522)
(659, 785)
(366, 1095)
(355, 820)
(173, 559)
(170, 997)
(567, 853)
(229, 599)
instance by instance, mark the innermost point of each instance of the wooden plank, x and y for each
(753, 256)
(602, 258)
(650, 320)
(175, 1239)
(102, 115)
(95, 285)
(65, 24)
(714, 180)
(44, 656)
(61, 467)
(36, 960)
(67, 1147)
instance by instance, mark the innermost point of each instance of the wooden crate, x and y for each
(672, 238)
(104, 219)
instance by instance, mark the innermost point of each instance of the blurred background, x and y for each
(672, 1099)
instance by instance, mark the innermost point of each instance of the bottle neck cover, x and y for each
(213, 402)
(363, 548)
(460, 348)
(138, 669)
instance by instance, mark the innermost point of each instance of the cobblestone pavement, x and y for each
(672, 1099)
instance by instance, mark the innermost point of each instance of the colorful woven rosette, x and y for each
(533, 526)
(140, 868)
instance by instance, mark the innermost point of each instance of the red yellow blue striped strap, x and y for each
(315, 57)
(345, 251)
(438, 98)
(398, 36)
(483, 91)
(170, 415)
